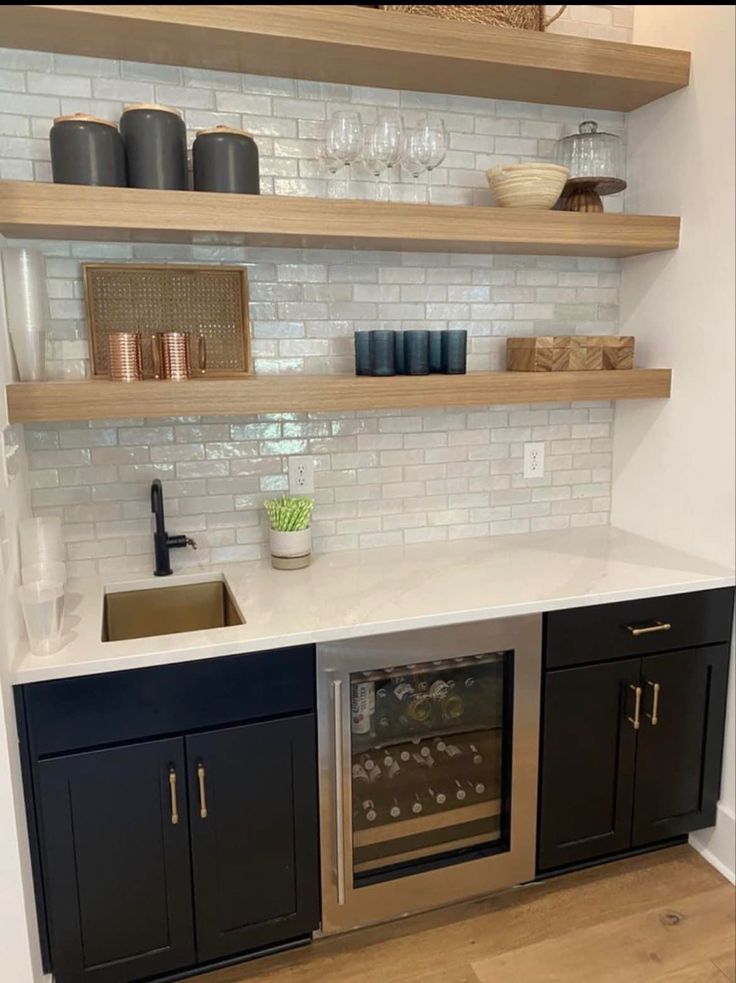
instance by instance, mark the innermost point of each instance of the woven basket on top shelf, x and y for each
(526, 16)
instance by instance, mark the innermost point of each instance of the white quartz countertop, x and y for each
(368, 592)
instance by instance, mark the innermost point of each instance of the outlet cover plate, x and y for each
(534, 459)
(301, 475)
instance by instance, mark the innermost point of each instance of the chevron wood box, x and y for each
(569, 353)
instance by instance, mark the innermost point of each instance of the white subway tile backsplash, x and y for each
(382, 478)
(395, 477)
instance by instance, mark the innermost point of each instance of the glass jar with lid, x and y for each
(596, 163)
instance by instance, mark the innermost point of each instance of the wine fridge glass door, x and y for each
(428, 747)
(429, 762)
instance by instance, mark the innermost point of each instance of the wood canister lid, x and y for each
(225, 129)
(84, 118)
(152, 105)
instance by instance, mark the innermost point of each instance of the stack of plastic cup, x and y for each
(43, 575)
(27, 306)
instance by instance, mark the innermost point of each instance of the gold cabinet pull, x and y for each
(635, 721)
(648, 629)
(172, 791)
(201, 776)
(656, 690)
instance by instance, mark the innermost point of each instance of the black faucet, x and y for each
(162, 542)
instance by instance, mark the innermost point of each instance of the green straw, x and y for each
(289, 514)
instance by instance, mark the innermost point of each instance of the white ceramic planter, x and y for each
(291, 550)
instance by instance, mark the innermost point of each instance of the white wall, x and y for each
(19, 954)
(587, 20)
(674, 462)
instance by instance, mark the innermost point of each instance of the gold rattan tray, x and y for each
(203, 300)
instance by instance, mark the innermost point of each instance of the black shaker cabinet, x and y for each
(631, 743)
(117, 869)
(589, 756)
(678, 764)
(253, 808)
(161, 846)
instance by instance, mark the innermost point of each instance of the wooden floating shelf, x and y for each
(30, 209)
(42, 402)
(361, 47)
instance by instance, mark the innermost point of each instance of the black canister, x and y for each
(456, 353)
(383, 353)
(155, 139)
(416, 352)
(87, 150)
(226, 160)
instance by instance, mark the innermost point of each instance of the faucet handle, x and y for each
(178, 541)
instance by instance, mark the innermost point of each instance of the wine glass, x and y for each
(388, 139)
(332, 165)
(415, 154)
(434, 135)
(344, 139)
(374, 156)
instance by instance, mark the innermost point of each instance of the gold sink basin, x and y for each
(168, 610)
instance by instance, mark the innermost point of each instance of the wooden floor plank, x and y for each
(727, 963)
(702, 972)
(445, 946)
(667, 938)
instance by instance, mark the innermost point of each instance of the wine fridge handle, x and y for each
(339, 792)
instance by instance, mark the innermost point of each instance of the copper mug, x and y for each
(124, 356)
(171, 355)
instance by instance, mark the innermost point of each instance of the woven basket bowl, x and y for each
(527, 185)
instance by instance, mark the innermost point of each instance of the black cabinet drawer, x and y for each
(611, 631)
(86, 711)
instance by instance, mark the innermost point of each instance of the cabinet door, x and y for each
(678, 769)
(253, 806)
(588, 754)
(116, 862)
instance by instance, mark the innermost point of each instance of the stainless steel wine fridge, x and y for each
(428, 767)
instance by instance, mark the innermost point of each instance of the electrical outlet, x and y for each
(534, 460)
(301, 475)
